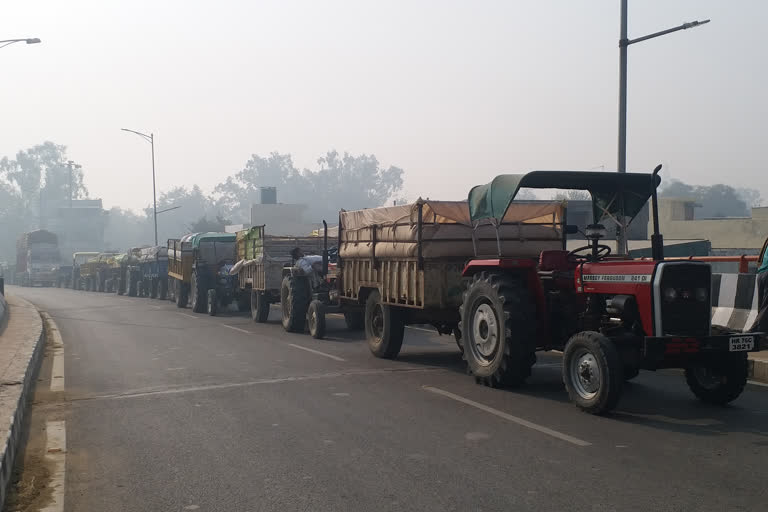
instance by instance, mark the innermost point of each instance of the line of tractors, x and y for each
(491, 271)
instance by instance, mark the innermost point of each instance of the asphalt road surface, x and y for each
(168, 410)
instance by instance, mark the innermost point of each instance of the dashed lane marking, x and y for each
(329, 356)
(509, 417)
(236, 329)
(189, 316)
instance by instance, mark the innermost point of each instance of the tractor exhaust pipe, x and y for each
(657, 240)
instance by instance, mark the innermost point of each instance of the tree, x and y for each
(573, 195)
(715, 201)
(125, 229)
(189, 203)
(203, 224)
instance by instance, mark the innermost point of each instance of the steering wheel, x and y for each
(579, 254)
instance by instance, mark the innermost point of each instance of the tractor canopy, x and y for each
(491, 201)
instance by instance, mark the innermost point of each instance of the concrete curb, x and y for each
(19, 378)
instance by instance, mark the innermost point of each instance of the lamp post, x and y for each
(151, 139)
(29, 40)
(623, 44)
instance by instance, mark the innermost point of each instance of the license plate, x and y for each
(741, 343)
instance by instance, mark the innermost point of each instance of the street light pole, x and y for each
(151, 139)
(28, 40)
(624, 42)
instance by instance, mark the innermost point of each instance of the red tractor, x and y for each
(610, 315)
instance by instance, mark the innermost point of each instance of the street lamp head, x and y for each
(32, 40)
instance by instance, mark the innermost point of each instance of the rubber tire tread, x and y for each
(199, 294)
(391, 341)
(736, 373)
(294, 291)
(516, 310)
(318, 308)
(259, 306)
(611, 370)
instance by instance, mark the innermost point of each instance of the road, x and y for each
(169, 410)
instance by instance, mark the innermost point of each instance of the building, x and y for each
(280, 218)
(79, 225)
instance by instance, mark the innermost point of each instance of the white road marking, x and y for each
(755, 383)
(509, 417)
(156, 307)
(189, 316)
(57, 367)
(431, 331)
(56, 454)
(237, 329)
(330, 356)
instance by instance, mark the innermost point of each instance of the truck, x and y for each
(199, 267)
(78, 259)
(261, 262)
(37, 258)
(153, 272)
(611, 316)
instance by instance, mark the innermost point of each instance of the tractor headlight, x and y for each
(670, 294)
(701, 294)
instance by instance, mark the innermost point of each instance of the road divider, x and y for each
(57, 350)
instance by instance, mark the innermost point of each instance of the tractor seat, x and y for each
(555, 260)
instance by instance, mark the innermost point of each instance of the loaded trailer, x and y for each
(261, 265)
(153, 272)
(78, 259)
(93, 272)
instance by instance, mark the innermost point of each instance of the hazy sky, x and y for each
(452, 92)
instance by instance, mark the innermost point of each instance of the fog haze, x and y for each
(451, 92)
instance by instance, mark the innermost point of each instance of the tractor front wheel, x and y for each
(213, 302)
(721, 381)
(316, 319)
(593, 372)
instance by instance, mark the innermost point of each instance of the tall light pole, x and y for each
(29, 40)
(151, 139)
(623, 44)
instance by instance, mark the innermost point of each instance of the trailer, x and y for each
(93, 273)
(153, 271)
(261, 260)
(78, 259)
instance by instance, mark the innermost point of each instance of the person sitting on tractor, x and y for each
(761, 322)
(311, 265)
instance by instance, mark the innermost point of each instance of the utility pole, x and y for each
(624, 42)
(151, 139)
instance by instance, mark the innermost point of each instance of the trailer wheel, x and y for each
(593, 372)
(213, 302)
(316, 319)
(719, 382)
(294, 301)
(162, 288)
(355, 320)
(198, 293)
(259, 306)
(182, 294)
(498, 330)
(384, 327)
(172, 284)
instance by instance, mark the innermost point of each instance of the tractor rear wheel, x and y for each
(294, 301)
(384, 327)
(259, 306)
(593, 372)
(498, 330)
(719, 382)
(316, 319)
(199, 294)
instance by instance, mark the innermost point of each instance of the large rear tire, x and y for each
(316, 319)
(182, 294)
(199, 294)
(259, 306)
(498, 330)
(294, 301)
(593, 372)
(355, 320)
(721, 381)
(384, 327)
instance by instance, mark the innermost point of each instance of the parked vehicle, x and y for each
(261, 260)
(153, 272)
(37, 258)
(610, 315)
(64, 276)
(199, 267)
(78, 259)
(92, 272)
